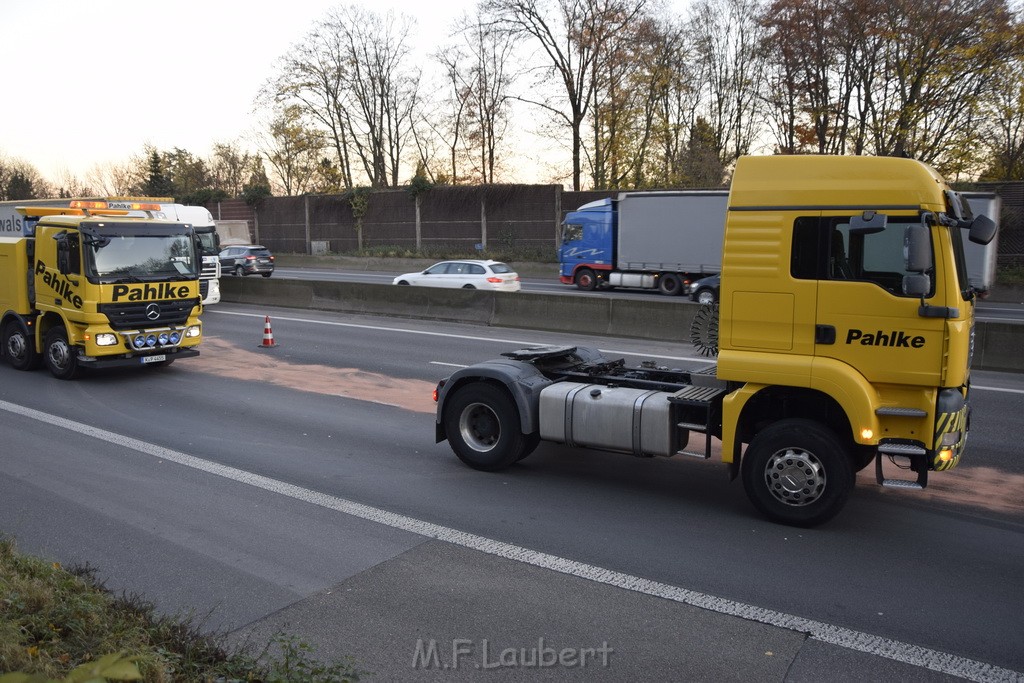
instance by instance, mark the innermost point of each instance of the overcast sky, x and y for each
(92, 82)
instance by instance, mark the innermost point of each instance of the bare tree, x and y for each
(229, 168)
(810, 57)
(292, 150)
(67, 184)
(572, 34)
(930, 75)
(726, 39)
(313, 74)
(477, 69)
(351, 74)
(674, 93)
(1004, 112)
(113, 179)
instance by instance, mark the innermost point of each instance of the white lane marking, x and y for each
(1005, 391)
(381, 328)
(834, 635)
(450, 365)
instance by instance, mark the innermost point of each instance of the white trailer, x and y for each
(981, 258)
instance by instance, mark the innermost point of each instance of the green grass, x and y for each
(58, 623)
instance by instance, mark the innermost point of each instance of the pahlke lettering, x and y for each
(62, 287)
(159, 290)
(896, 338)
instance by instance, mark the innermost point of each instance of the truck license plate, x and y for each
(154, 359)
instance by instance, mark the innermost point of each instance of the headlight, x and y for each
(106, 339)
(139, 341)
(193, 331)
(950, 438)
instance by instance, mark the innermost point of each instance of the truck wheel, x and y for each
(797, 472)
(19, 348)
(61, 358)
(670, 285)
(586, 280)
(482, 424)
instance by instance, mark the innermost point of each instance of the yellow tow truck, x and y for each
(87, 286)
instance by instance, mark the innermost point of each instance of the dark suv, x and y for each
(247, 260)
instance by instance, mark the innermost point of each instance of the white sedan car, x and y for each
(467, 274)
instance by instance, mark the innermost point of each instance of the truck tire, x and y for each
(586, 279)
(60, 357)
(670, 284)
(482, 424)
(797, 472)
(19, 348)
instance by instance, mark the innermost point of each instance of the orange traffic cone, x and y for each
(268, 335)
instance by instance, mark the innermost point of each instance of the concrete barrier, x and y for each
(997, 346)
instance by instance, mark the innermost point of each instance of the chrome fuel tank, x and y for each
(622, 419)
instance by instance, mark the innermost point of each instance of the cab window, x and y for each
(826, 249)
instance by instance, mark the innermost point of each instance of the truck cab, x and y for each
(587, 245)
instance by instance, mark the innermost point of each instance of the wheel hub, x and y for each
(16, 346)
(60, 354)
(479, 427)
(795, 477)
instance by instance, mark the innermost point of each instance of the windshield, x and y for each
(208, 241)
(137, 258)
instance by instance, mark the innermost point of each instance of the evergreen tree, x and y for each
(157, 184)
(20, 186)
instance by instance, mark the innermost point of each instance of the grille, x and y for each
(135, 315)
(204, 288)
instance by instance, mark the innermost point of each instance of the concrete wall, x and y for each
(997, 345)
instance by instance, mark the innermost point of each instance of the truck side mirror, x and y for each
(917, 250)
(868, 223)
(63, 252)
(983, 230)
(916, 285)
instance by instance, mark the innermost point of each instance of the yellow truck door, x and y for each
(863, 317)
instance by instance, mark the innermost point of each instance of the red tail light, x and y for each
(250, 257)
(495, 280)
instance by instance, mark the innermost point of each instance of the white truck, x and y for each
(233, 233)
(202, 222)
(981, 259)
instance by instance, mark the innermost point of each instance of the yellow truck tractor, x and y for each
(89, 287)
(845, 333)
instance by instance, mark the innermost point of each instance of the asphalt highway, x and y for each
(298, 488)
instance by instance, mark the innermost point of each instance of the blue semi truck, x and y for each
(649, 240)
